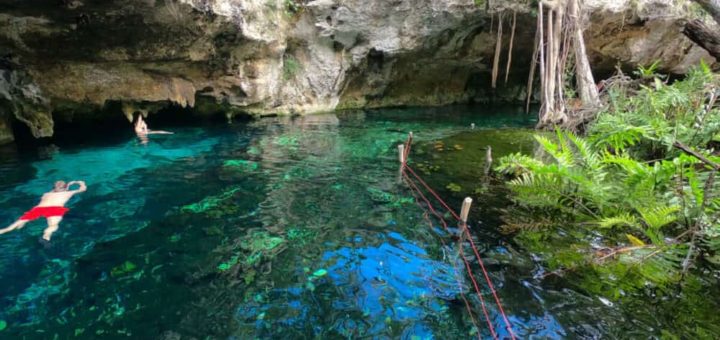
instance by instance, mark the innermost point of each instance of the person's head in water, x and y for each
(60, 186)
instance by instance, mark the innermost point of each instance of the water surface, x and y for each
(279, 228)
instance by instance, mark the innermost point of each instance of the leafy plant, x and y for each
(293, 7)
(291, 67)
(646, 206)
(649, 72)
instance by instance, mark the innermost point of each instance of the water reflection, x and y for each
(282, 227)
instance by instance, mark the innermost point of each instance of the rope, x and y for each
(492, 287)
(457, 217)
(472, 277)
(470, 238)
(455, 268)
(408, 145)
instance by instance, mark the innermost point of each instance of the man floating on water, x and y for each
(51, 206)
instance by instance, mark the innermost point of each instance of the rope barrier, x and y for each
(472, 277)
(456, 270)
(404, 167)
(437, 197)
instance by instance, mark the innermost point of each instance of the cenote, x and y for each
(293, 228)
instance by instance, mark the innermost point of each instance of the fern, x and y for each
(625, 219)
(626, 178)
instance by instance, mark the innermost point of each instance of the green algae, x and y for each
(384, 197)
(229, 264)
(209, 202)
(319, 273)
(379, 196)
(263, 241)
(300, 234)
(254, 151)
(454, 187)
(123, 269)
(242, 164)
(253, 249)
(287, 141)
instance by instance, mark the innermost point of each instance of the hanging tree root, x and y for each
(510, 49)
(498, 48)
(560, 41)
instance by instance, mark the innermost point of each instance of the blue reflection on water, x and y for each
(393, 283)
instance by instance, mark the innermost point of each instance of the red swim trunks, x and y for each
(46, 212)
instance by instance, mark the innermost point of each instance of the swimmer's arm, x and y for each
(82, 185)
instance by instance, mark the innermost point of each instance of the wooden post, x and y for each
(401, 153)
(465, 210)
(488, 161)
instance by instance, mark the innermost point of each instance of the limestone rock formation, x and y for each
(70, 59)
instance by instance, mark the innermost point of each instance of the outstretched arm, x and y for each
(159, 132)
(82, 185)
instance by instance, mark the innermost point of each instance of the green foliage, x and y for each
(293, 7)
(646, 124)
(649, 72)
(624, 188)
(291, 67)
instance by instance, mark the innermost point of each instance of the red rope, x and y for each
(472, 243)
(490, 284)
(455, 269)
(472, 277)
(433, 192)
(408, 145)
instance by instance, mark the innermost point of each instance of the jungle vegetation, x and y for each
(635, 200)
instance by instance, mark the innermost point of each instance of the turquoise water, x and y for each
(276, 228)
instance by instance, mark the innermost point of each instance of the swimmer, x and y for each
(51, 206)
(142, 131)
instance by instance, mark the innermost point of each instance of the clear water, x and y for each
(277, 228)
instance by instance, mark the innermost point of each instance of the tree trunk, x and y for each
(712, 7)
(585, 81)
(702, 35)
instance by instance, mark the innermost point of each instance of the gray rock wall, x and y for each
(282, 56)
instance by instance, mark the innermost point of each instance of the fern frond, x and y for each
(517, 164)
(620, 220)
(658, 217)
(589, 157)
